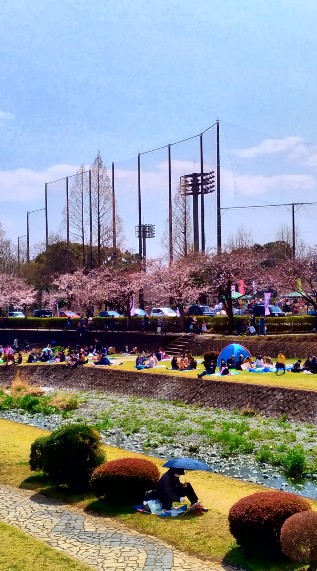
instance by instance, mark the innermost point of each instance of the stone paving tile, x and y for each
(100, 542)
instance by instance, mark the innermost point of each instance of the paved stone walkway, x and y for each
(98, 541)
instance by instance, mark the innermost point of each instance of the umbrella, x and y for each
(294, 294)
(235, 295)
(247, 296)
(186, 464)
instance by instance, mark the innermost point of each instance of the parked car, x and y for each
(42, 313)
(311, 312)
(275, 310)
(109, 313)
(138, 312)
(71, 314)
(163, 312)
(203, 310)
(16, 314)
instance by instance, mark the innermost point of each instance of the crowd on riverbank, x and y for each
(97, 354)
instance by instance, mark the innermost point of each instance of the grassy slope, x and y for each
(289, 380)
(207, 535)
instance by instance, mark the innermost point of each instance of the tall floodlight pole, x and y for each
(46, 217)
(139, 206)
(28, 237)
(202, 196)
(218, 192)
(293, 232)
(28, 230)
(170, 207)
(114, 229)
(82, 217)
(98, 216)
(67, 215)
(19, 238)
(191, 185)
(147, 231)
(90, 219)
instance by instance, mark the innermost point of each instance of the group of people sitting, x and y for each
(309, 366)
(185, 362)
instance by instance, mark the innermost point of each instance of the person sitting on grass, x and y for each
(308, 363)
(19, 359)
(231, 362)
(259, 363)
(174, 364)
(152, 362)
(170, 489)
(297, 367)
(192, 363)
(102, 359)
(210, 367)
(280, 361)
(183, 363)
(238, 364)
(313, 367)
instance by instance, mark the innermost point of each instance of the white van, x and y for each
(163, 312)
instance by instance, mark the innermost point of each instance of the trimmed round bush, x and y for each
(256, 520)
(69, 455)
(299, 538)
(124, 481)
(37, 453)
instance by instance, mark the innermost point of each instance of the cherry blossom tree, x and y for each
(300, 275)
(104, 285)
(15, 291)
(178, 281)
(221, 272)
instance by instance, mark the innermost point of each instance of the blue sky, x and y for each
(125, 76)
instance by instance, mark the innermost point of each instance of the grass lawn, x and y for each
(206, 535)
(21, 552)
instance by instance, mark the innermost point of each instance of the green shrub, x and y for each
(37, 453)
(124, 481)
(70, 454)
(294, 462)
(299, 538)
(256, 520)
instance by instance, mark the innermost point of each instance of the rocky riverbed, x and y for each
(230, 442)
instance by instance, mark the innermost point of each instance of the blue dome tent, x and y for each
(233, 349)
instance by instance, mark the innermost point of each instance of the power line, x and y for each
(267, 205)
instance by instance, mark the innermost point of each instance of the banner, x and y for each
(299, 285)
(241, 287)
(267, 296)
(132, 310)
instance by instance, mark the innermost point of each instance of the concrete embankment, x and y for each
(298, 405)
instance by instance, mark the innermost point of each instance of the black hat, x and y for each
(179, 471)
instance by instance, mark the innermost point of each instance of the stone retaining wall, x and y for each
(291, 345)
(271, 401)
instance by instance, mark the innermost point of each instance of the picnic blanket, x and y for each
(157, 509)
(268, 369)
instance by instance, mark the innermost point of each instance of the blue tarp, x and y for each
(233, 349)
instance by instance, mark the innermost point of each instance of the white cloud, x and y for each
(27, 185)
(6, 116)
(253, 185)
(288, 145)
(294, 148)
